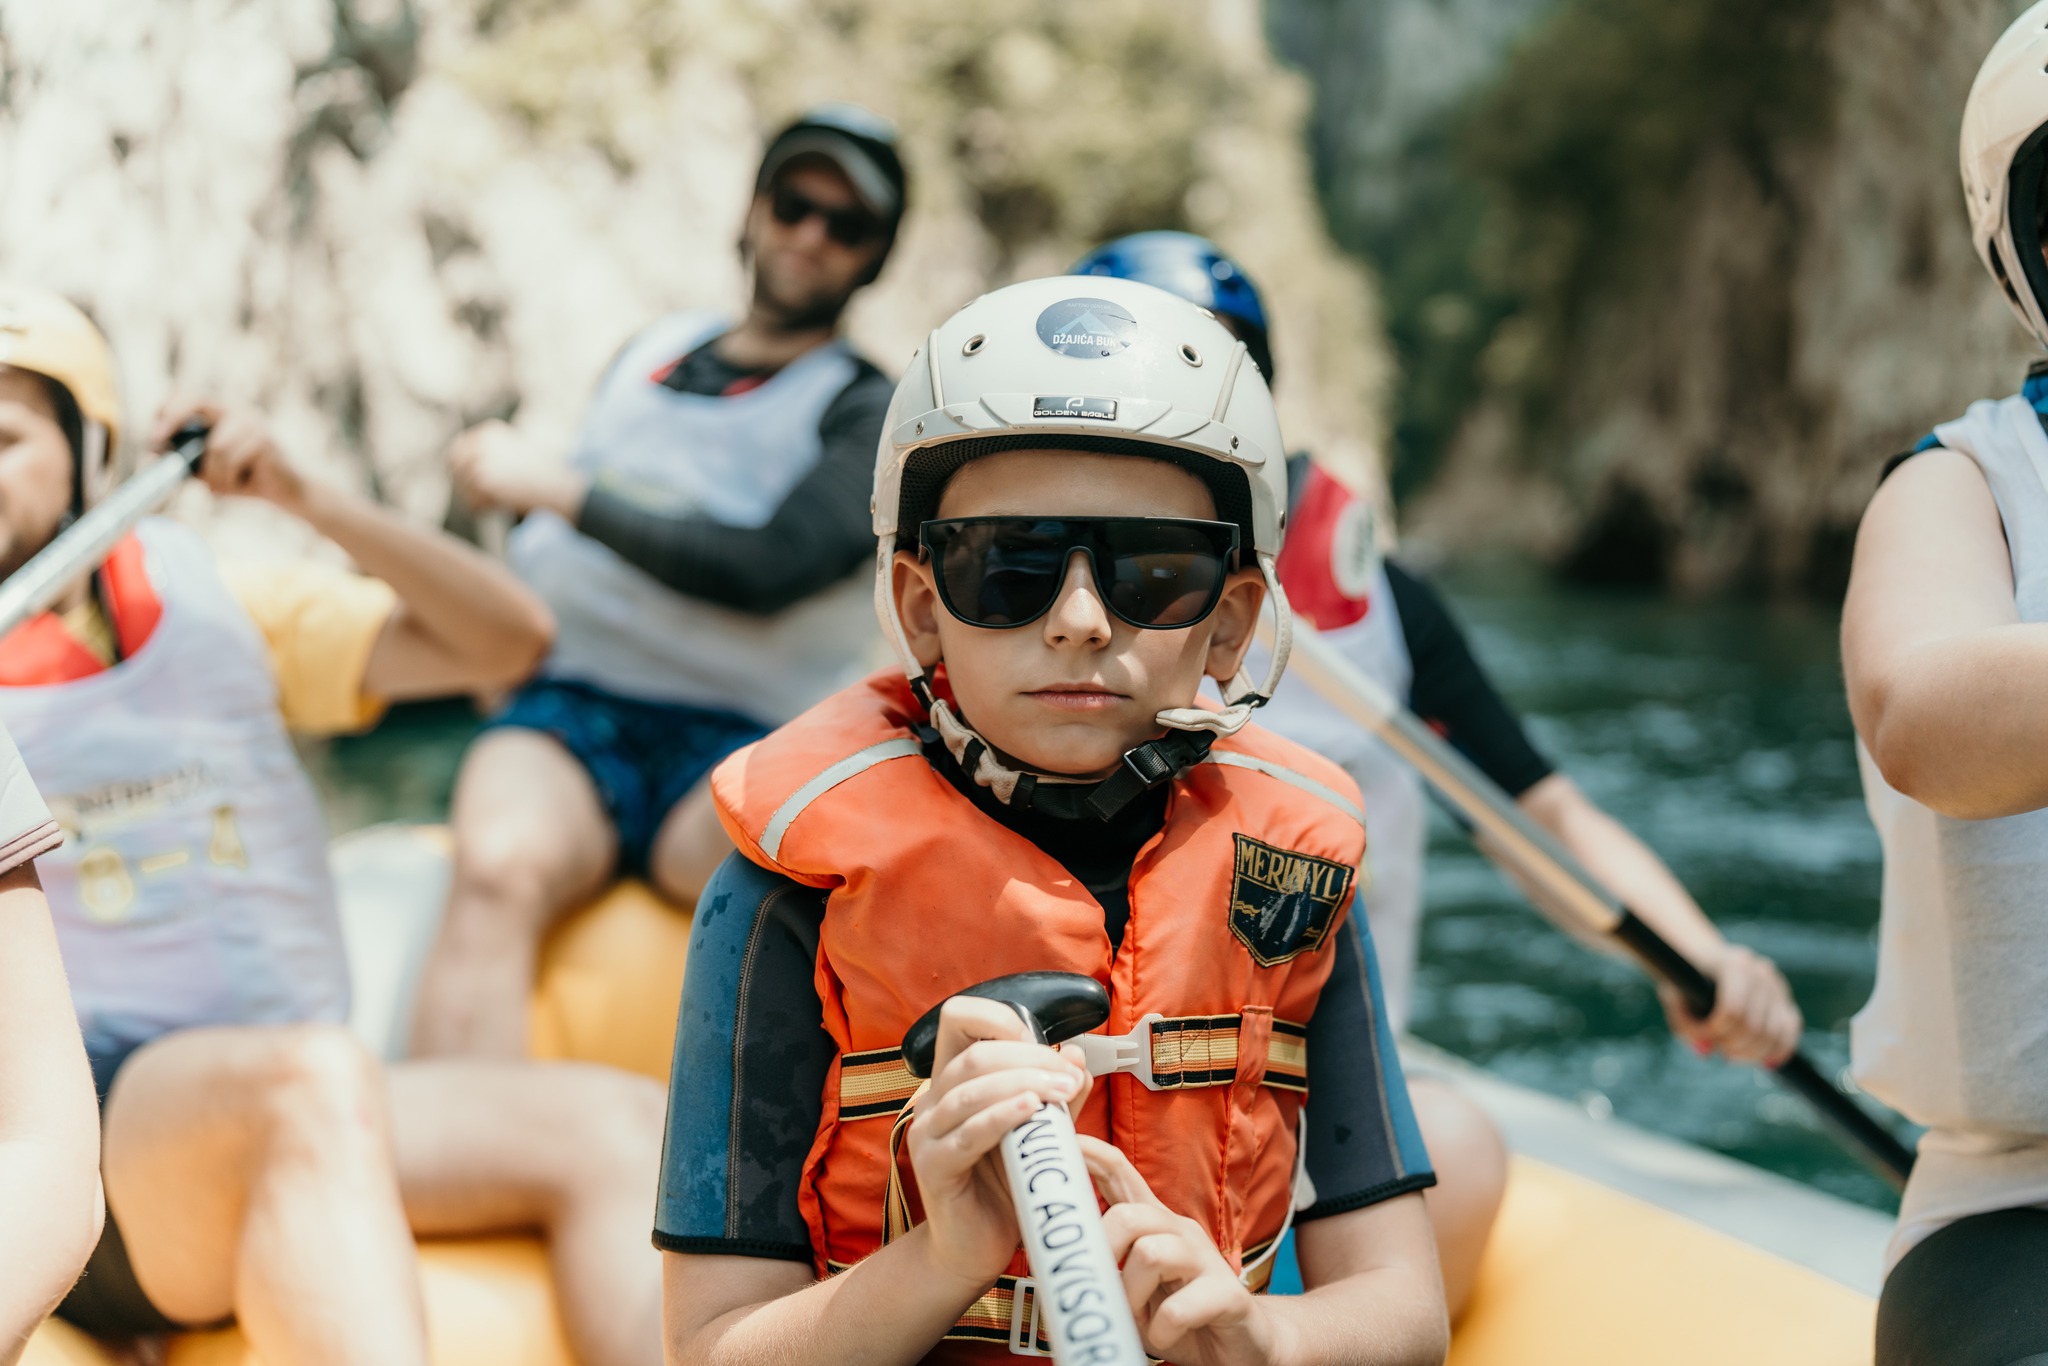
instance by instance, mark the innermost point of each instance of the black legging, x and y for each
(1974, 1294)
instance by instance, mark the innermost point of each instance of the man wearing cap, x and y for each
(702, 554)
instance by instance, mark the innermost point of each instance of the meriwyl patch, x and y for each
(1282, 902)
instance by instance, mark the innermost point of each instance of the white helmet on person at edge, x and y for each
(2004, 155)
(1093, 364)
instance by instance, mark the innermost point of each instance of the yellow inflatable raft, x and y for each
(1578, 1271)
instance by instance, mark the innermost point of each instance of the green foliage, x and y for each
(1564, 180)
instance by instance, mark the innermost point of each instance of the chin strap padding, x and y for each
(1146, 767)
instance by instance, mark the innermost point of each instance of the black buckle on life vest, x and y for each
(1146, 767)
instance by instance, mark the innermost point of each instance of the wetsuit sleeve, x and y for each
(1452, 693)
(27, 829)
(821, 533)
(747, 1087)
(1363, 1143)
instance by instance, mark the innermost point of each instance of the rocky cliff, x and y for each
(1690, 272)
(384, 219)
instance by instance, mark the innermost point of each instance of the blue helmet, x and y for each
(1194, 268)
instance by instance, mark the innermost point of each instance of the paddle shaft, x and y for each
(80, 547)
(1563, 890)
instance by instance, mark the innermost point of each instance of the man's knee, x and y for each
(610, 1143)
(319, 1087)
(502, 874)
(1465, 1148)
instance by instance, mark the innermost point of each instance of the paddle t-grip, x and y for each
(1076, 1288)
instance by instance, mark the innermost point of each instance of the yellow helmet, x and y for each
(46, 334)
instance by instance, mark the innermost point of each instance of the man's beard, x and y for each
(809, 313)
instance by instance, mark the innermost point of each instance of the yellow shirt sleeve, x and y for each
(321, 623)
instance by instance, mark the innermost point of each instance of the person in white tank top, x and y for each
(1395, 627)
(704, 553)
(258, 1162)
(1945, 655)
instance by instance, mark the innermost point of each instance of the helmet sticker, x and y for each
(1087, 329)
(1074, 405)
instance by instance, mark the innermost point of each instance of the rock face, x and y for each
(1721, 272)
(382, 220)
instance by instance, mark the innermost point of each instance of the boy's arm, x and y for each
(463, 623)
(50, 1203)
(739, 1311)
(1374, 1295)
(1374, 1289)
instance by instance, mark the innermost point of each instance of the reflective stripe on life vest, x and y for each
(1194, 1050)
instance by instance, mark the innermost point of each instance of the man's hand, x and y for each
(987, 1078)
(1190, 1305)
(1755, 1018)
(494, 469)
(241, 457)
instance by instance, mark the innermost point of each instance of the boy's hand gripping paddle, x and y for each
(82, 545)
(1077, 1289)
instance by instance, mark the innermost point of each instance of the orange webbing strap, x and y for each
(1184, 1051)
(874, 1083)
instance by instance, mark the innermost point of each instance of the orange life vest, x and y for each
(1233, 906)
(42, 651)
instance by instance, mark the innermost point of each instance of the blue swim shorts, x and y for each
(644, 757)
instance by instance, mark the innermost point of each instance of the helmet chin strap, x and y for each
(1190, 730)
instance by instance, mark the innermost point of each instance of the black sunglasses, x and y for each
(1156, 573)
(851, 227)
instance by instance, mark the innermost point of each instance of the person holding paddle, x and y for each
(259, 1164)
(1945, 653)
(702, 557)
(1395, 626)
(1078, 507)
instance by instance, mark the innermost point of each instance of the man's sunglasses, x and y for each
(849, 227)
(1156, 573)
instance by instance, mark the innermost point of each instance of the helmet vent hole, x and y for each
(974, 344)
(1190, 355)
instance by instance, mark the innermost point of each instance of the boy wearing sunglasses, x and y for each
(1079, 503)
(702, 558)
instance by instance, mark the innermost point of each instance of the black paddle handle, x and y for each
(1879, 1146)
(188, 443)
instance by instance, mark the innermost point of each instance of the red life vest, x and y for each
(1233, 906)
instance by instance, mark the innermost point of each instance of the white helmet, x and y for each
(2004, 125)
(1093, 364)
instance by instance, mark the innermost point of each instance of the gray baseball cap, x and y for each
(861, 143)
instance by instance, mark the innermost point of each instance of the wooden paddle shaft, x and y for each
(1562, 889)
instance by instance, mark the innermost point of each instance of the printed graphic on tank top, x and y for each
(1331, 570)
(193, 885)
(733, 458)
(1955, 1034)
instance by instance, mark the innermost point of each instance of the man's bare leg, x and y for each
(689, 846)
(250, 1170)
(531, 841)
(568, 1149)
(1471, 1162)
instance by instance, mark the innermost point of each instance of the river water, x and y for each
(1717, 731)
